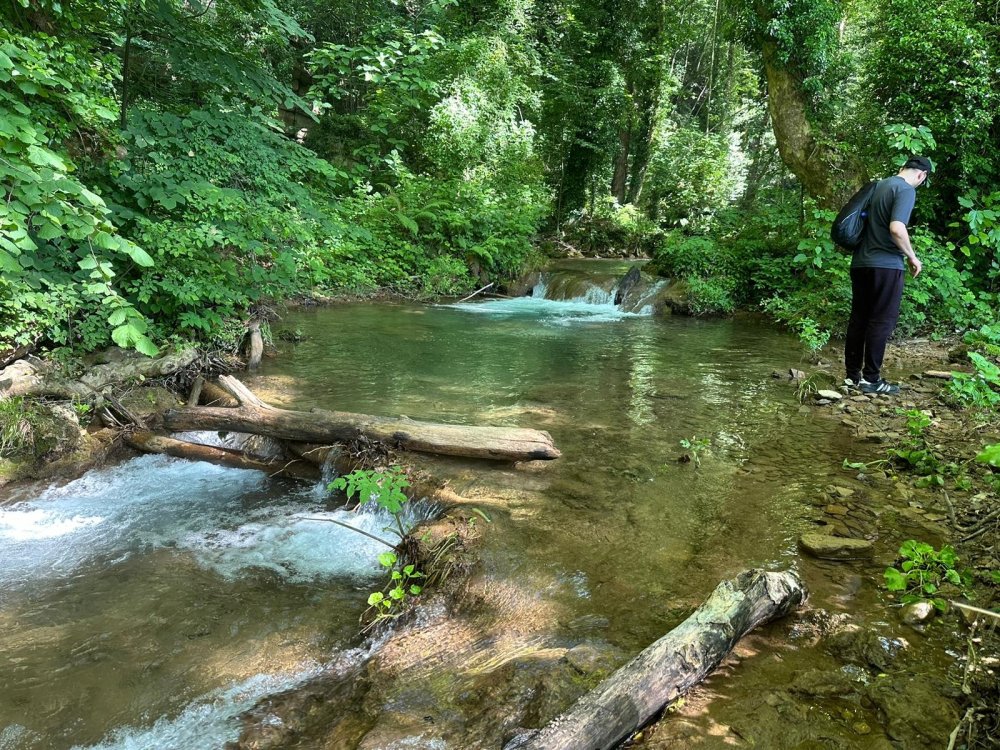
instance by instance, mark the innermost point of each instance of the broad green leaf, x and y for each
(894, 580)
(144, 345)
(139, 256)
(375, 598)
(42, 157)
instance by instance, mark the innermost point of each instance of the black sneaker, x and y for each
(854, 383)
(879, 386)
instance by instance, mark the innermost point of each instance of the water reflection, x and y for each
(646, 532)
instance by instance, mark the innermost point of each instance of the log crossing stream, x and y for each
(146, 605)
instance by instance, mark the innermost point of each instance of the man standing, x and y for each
(877, 276)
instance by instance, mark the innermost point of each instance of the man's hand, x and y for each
(915, 265)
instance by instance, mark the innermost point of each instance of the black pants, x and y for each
(875, 296)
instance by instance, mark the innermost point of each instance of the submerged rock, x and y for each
(866, 648)
(827, 547)
(914, 709)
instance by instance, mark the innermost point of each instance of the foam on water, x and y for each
(230, 520)
(144, 503)
(209, 722)
(554, 312)
(301, 547)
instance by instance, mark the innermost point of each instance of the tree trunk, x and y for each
(620, 176)
(665, 671)
(825, 171)
(318, 426)
(643, 149)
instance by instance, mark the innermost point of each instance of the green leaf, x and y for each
(894, 580)
(144, 345)
(375, 598)
(415, 590)
(990, 455)
(42, 157)
(409, 223)
(387, 559)
(139, 256)
(397, 593)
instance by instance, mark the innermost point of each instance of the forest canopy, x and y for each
(169, 166)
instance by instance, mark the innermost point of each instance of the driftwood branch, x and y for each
(196, 386)
(478, 291)
(319, 426)
(256, 352)
(666, 670)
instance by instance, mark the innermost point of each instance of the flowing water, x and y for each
(145, 605)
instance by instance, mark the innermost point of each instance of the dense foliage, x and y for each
(169, 166)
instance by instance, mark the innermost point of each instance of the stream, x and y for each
(147, 604)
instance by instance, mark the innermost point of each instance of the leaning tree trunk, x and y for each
(662, 673)
(318, 426)
(826, 172)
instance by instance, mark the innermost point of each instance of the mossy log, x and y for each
(666, 670)
(32, 378)
(319, 426)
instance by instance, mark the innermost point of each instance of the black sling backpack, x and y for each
(849, 227)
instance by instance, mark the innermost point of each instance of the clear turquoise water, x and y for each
(144, 605)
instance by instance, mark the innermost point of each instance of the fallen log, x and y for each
(151, 443)
(666, 670)
(319, 426)
(35, 378)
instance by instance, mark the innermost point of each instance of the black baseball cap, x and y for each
(919, 162)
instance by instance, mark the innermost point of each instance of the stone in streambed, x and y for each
(828, 395)
(918, 613)
(827, 547)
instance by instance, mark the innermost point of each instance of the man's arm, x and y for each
(902, 239)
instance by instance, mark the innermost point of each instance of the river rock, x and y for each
(827, 547)
(822, 683)
(866, 648)
(939, 374)
(914, 709)
(829, 395)
(918, 613)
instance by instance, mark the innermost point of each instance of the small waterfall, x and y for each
(578, 291)
(609, 284)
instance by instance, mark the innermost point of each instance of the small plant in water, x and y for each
(694, 446)
(924, 571)
(401, 586)
(385, 488)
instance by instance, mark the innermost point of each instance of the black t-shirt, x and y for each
(892, 200)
